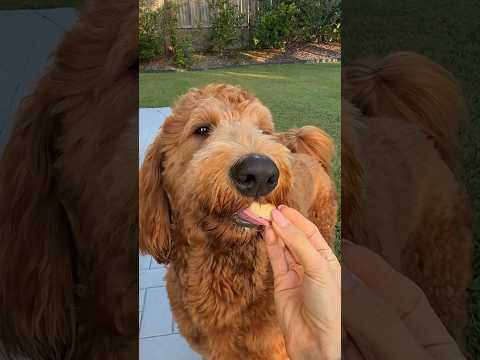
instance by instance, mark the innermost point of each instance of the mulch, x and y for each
(306, 53)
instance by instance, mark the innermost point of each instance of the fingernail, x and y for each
(349, 280)
(280, 207)
(279, 218)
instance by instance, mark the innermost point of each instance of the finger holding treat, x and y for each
(307, 285)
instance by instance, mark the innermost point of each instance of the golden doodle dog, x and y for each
(216, 154)
(401, 195)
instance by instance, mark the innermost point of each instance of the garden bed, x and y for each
(306, 53)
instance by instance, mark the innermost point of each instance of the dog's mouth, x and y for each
(256, 215)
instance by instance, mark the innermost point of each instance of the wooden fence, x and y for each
(194, 13)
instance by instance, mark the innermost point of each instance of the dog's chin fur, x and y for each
(219, 280)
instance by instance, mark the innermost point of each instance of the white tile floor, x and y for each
(159, 338)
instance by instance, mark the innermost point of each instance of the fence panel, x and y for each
(194, 13)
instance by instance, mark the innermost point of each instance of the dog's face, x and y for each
(227, 157)
(216, 154)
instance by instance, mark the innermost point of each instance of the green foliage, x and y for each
(225, 21)
(184, 52)
(319, 20)
(158, 33)
(148, 35)
(278, 24)
(281, 24)
(277, 27)
(331, 24)
(168, 27)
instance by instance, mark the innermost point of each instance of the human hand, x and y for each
(307, 286)
(385, 315)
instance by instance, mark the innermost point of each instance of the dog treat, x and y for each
(262, 210)
(257, 214)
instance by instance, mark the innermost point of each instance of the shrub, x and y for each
(280, 24)
(184, 52)
(225, 21)
(148, 36)
(332, 24)
(319, 20)
(277, 27)
(168, 27)
(158, 33)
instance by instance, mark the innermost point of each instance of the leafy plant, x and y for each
(158, 32)
(282, 23)
(225, 21)
(168, 27)
(184, 52)
(332, 24)
(277, 27)
(320, 20)
(148, 35)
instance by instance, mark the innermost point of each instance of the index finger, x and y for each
(306, 226)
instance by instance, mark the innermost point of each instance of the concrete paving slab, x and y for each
(173, 347)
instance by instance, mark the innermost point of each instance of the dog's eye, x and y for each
(266, 132)
(203, 130)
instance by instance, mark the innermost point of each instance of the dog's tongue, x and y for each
(257, 213)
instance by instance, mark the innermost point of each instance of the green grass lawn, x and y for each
(296, 94)
(38, 4)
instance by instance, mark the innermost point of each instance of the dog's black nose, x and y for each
(254, 175)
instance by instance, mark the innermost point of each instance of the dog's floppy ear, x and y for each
(312, 141)
(36, 272)
(155, 232)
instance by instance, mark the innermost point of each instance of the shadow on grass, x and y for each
(256, 76)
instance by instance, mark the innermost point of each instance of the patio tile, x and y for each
(141, 299)
(155, 265)
(144, 262)
(152, 278)
(150, 121)
(157, 318)
(173, 347)
(175, 328)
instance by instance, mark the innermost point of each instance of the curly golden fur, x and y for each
(68, 219)
(219, 280)
(401, 195)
